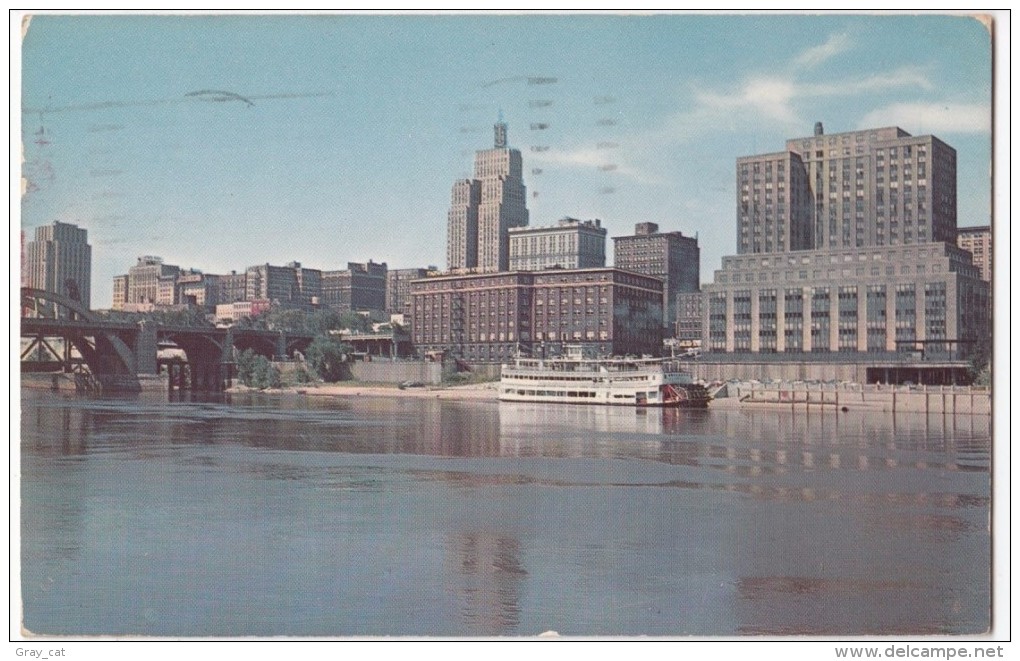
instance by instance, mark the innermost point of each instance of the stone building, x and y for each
(487, 318)
(398, 287)
(920, 297)
(875, 187)
(359, 287)
(670, 256)
(570, 244)
(290, 285)
(847, 244)
(59, 260)
(148, 282)
(978, 242)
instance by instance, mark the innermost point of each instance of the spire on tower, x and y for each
(500, 132)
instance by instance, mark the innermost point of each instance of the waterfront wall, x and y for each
(784, 371)
(383, 371)
(487, 371)
(849, 367)
(949, 400)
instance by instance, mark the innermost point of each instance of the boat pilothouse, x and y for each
(575, 379)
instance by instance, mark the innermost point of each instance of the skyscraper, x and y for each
(847, 243)
(877, 187)
(290, 285)
(59, 260)
(483, 209)
(462, 225)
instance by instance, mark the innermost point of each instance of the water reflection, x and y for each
(374, 516)
(488, 577)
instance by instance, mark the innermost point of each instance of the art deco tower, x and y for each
(462, 225)
(483, 209)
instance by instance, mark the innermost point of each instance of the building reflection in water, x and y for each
(487, 578)
(813, 521)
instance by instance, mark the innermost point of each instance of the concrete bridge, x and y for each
(59, 334)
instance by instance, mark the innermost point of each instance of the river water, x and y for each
(262, 515)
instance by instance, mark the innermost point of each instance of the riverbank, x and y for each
(946, 400)
(475, 392)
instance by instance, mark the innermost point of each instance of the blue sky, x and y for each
(341, 135)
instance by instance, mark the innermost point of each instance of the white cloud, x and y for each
(777, 98)
(614, 161)
(767, 96)
(811, 57)
(907, 77)
(948, 117)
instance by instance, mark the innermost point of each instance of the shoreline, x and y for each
(473, 392)
(935, 402)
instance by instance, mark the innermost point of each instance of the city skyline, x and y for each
(328, 139)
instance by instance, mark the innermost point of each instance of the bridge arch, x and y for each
(260, 343)
(300, 344)
(31, 296)
(205, 356)
(110, 360)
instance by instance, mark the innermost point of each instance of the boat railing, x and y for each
(592, 366)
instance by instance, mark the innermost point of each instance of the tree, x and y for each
(356, 322)
(246, 366)
(981, 362)
(320, 322)
(258, 322)
(301, 375)
(264, 374)
(190, 317)
(329, 357)
(287, 320)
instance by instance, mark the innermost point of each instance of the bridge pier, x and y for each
(227, 374)
(146, 349)
(176, 372)
(199, 375)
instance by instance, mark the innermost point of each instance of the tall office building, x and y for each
(289, 285)
(359, 287)
(150, 282)
(869, 264)
(483, 209)
(462, 225)
(197, 289)
(59, 260)
(231, 287)
(878, 187)
(978, 242)
(669, 256)
(688, 322)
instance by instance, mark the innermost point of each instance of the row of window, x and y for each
(831, 274)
